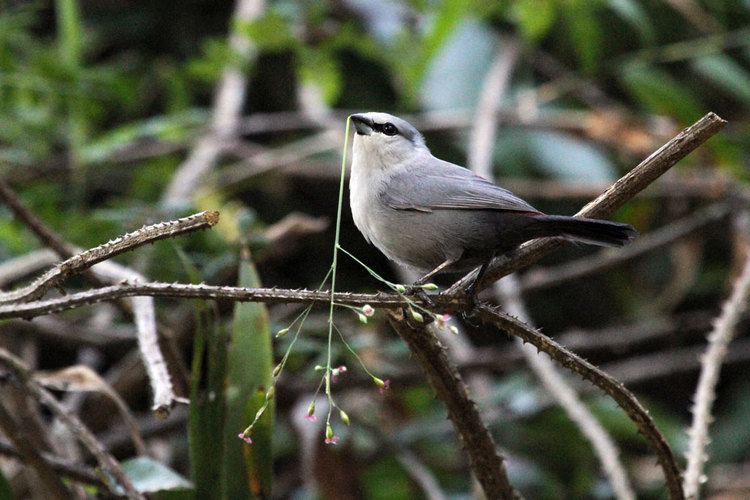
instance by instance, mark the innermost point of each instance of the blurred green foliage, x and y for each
(101, 101)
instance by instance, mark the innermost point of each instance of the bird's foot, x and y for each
(420, 293)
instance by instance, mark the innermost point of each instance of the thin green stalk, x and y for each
(334, 264)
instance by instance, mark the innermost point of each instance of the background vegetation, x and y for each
(103, 103)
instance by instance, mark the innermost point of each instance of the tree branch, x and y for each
(62, 467)
(624, 398)
(84, 260)
(213, 292)
(106, 461)
(621, 191)
(705, 394)
(544, 277)
(443, 377)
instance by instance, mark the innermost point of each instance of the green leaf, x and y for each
(207, 400)
(534, 17)
(725, 73)
(173, 127)
(249, 377)
(631, 12)
(270, 32)
(321, 68)
(566, 157)
(584, 32)
(660, 93)
(150, 476)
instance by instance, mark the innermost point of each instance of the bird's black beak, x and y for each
(362, 124)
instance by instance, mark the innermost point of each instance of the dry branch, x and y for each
(106, 461)
(624, 398)
(443, 377)
(705, 394)
(621, 191)
(84, 260)
(75, 472)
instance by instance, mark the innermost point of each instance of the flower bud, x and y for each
(400, 288)
(430, 287)
(282, 332)
(362, 318)
(417, 316)
(311, 409)
(344, 417)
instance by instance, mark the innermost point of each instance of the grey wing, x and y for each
(441, 185)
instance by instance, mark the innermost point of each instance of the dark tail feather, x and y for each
(593, 231)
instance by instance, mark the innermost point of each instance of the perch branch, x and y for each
(621, 191)
(212, 292)
(624, 398)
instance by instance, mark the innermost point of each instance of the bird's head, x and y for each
(384, 140)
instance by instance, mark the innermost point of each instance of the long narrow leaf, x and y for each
(249, 467)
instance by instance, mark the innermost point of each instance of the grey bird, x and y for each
(433, 216)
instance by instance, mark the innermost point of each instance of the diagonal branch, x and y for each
(624, 398)
(84, 260)
(620, 192)
(105, 460)
(444, 378)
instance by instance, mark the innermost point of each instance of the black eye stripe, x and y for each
(385, 128)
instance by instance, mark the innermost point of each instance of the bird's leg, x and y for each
(424, 279)
(471, 290)
(416, 286)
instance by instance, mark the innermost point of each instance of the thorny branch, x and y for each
(722, 334)
(624, 398)
(621, 191)
(444, 378)
(84, 260)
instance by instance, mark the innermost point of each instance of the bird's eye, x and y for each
(390, 129)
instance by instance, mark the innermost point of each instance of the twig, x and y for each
(106, 461)
(443, 377)
(421, 475)
(142, 307)
(88, 258)
(624, 398)
(75, 472)
(230, 97)
(705, 394)
(45, 474)
(47, 237)
(547, 277)
(24, 265)
(621, 191)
